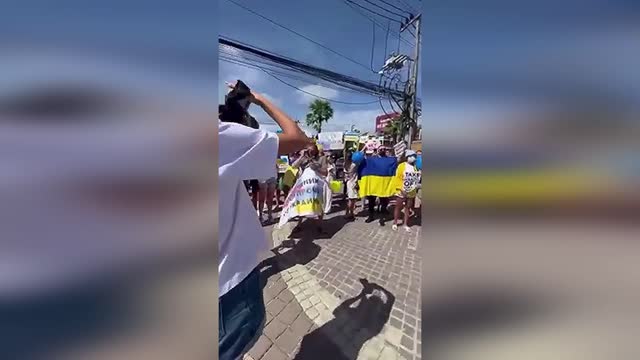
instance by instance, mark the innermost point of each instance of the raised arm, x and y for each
(292, 137)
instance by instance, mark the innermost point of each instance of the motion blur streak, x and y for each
(107, 181)
(531, 180)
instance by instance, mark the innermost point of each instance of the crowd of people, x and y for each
(269, 195)
(249, 181)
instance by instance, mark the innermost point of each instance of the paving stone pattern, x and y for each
(316, 306)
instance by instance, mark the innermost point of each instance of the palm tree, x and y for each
(320, 112)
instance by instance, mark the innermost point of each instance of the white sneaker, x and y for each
(407, 229)
(394, 227)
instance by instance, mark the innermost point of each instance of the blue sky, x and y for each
(481, 61)
(329, 22)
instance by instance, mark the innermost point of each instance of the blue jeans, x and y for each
(241, 316)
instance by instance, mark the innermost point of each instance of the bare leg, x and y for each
(408, 205)
(269, 201)
(396, 211)
(351, 208)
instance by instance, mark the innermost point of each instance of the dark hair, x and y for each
(235, 107)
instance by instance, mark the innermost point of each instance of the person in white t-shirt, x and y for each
(405, 185)
(245, 153)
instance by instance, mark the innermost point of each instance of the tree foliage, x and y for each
(320, 112)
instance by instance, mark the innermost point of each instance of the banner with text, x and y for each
(309, 197)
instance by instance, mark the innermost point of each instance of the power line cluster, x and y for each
(299, 34)
(393, 88)
(370, 14)
(277, 65)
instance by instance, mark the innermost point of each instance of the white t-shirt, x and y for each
(411, 178)
(245, 153)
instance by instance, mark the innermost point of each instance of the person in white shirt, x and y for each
(245, 153)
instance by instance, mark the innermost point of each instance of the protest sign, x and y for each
(309, 197)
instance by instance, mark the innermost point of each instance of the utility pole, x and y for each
(412, 93)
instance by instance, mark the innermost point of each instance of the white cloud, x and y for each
(318, 90)
(232, 72)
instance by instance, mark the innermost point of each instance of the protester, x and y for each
(280, 193)
(310, 197)
(310, 158)
(253, 188)
(331, 169)
(245, 153)
(351, 177)
(404, 185)
(371, 197)
(383, 202)
(289, 179)
(267, 192)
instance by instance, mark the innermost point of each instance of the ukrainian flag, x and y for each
(376, 174)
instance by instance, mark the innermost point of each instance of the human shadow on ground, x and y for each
(308, 229)
(478, 310)
(300, 253)
(342, 337)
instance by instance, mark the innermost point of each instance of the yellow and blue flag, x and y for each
(376, 175)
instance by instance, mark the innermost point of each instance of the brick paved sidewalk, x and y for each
(316, 308)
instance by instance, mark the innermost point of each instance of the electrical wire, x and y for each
(330, 76)
(371, 11)
(292, 64)
(408, 6)
(297, 33)
(361, 13)
(387, 10)
(291, 76)
(318, 96)
(373, 44)
(395, 7)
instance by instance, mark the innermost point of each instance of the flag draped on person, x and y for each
(376, 175)
(309, 197)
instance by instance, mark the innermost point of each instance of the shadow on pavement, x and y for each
(351, 327)
(299, 254)
(477, 311)
(338, 205)
(308, 229)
